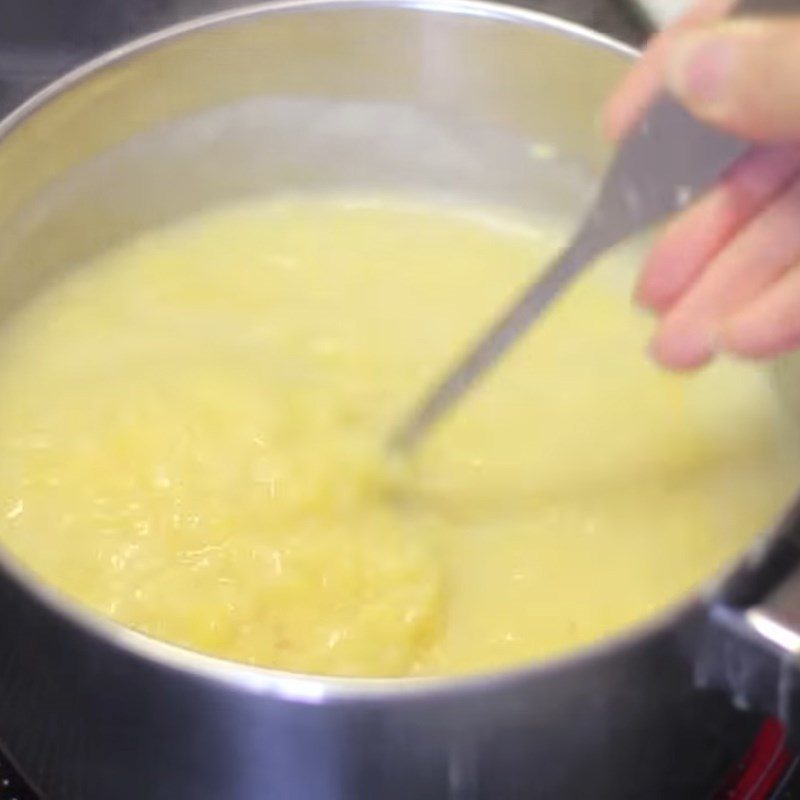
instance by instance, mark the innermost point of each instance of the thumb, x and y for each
(742, 75)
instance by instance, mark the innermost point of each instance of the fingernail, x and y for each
(683, 349)
(701, 66)
(651, 297)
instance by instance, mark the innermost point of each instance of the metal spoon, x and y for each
(668, 160)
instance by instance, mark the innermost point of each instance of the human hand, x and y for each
(725, 274)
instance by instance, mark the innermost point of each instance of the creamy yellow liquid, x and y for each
(191, 433)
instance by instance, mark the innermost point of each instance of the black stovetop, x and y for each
(12, 787)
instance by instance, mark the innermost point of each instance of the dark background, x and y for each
(40, 39)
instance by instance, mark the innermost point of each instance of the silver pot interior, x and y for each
(304, 98)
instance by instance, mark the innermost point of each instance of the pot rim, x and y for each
(299, 687)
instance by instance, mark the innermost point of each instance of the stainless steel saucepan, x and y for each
(451, 98)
